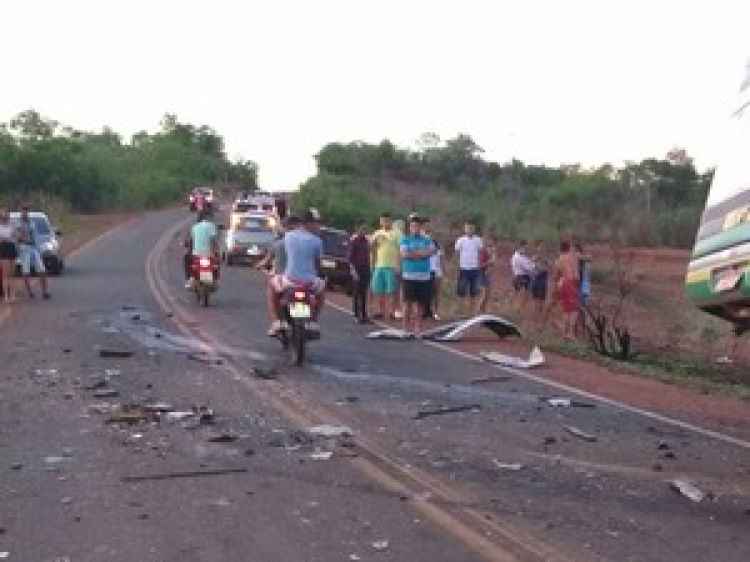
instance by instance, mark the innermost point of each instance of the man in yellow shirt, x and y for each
(384, 244)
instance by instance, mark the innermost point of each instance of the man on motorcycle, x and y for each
(303, 250)
(204, 237)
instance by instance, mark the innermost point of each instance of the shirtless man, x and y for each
(566, 275)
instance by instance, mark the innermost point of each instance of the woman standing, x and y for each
(8, 256)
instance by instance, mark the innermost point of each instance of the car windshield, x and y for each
(257, 224)
(255, 236)
(334, 243)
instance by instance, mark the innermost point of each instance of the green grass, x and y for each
(720, 379)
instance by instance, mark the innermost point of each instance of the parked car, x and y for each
(45, 236)
(248, 238)
(334, 263)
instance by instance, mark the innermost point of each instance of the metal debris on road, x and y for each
(224, 437)
(53, 459)
(115, 353)
(106, 393)
(561, 402)
(186, 474)
(131, 415)
(687, 489)
(179, 416)
(158, 407)
(206, 358)
(447, 410)
(536, 358)
(579, 433)
(507, 466)
(390, 334)
(329, 430)
(454, 331)
(380, 545)
(321, 455)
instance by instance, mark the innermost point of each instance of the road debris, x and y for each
(206, 358)
(687, 489)
(186, 474)
(179, 416)
(4, 555)
(447, 410)
(158, 407)
(380, 545)
(391, 334)
(536, 358)
(454, 331)
(496, 378)
(507, 466)
(115, 353)
(562, 402)
(321, 455)
(329, 431)
(16, 466)
(224, 437)
(53, 459)
(131, 415)
(265, 373)
(579, 433)
(106, 393)
(96, 383)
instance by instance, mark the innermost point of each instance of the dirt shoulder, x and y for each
(82, 228)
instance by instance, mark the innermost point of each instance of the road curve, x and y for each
(509, 480)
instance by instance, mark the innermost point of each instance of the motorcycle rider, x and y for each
(303, 250)
(204, 240)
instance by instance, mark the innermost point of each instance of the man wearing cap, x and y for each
(303, 250)
(415, 250)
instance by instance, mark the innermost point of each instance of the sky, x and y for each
(544, 81)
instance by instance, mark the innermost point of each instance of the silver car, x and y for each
(248, 240)
(45, 236)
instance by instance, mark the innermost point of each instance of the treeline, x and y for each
(95, 171)
(653, 202)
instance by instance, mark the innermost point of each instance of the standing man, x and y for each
(384, 248)
(358, 256)
(523, 269)
(468, 247)
(567, 286)
(416, 249)
(29, 254)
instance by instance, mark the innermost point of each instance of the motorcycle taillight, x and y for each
(204, 262)
(299, 295)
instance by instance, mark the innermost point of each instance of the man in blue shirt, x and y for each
(303, 249)
(416, 249)
(204, 241)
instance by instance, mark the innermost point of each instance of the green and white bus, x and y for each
(718, 277)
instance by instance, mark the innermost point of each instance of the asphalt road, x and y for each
(506, 480)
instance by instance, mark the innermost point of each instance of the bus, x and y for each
(718, 275)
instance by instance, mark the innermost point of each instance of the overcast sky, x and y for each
(546, 81)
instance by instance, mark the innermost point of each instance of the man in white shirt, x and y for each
(468, 247)
(523, 269)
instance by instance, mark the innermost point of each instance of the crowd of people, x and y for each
(398, 271)
(17, 244)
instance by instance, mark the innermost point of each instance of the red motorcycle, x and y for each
(205, 277)
(297, 304)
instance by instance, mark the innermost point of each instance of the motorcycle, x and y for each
(205, 277)
(297, 304)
